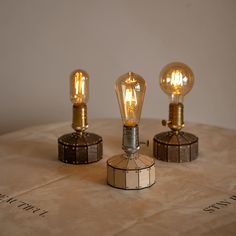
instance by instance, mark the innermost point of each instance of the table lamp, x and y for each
(176, 80)
(130, 170)
(79, 147)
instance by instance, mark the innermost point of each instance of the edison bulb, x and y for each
(130, 90)
(79, 87)
(80, 147)
(176, 80)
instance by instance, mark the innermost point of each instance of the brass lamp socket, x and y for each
(176, 116)
(80, 122)
(175, 145)
(80, 147)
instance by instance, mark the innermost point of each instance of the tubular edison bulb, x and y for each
(176, 80)
(130, 90)
(79, 87)
(79, 94)
(79, 147)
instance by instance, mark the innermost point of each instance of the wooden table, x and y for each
(41, 196)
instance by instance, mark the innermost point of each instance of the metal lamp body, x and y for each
(80, 147)
(130, 171)
(175, 145)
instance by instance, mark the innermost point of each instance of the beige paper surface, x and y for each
(41, 196)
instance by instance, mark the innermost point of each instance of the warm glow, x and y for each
(176, 79)
(79, 87)
(130, 103)
(130, 90)
(130, 97)
(79, 84)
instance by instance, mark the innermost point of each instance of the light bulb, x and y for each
(79, 147)
(79, 87)
(130, 90)
(130, 170)
(79, 94)
(176, 80)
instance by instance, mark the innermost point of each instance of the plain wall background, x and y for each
(42, 41)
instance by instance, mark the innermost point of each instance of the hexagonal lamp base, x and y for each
(172, 147)
(77, 149)
(135, 173)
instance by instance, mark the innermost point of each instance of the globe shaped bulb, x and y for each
(176, 80)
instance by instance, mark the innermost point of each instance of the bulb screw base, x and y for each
(80, 123)
(175, 146)
(80, 148)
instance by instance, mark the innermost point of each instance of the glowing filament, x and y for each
(79, 84)
(176, 79)
(130, 105)
(130, 97)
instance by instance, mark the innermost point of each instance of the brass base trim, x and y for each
(131, 174)
(77, 149)
(175, 147)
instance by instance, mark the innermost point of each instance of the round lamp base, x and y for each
(136, 173)
(77, 149)
(172, 147)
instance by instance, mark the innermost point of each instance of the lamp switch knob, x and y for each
(165, 122)
(144, 143)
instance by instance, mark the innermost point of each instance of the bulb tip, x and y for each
(80, 72)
